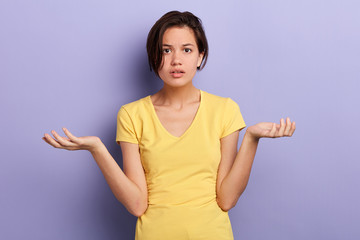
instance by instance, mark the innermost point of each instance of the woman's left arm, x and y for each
(235, 166)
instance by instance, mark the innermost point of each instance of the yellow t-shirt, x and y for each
(181, 171)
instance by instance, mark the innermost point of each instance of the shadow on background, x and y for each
(116, 217)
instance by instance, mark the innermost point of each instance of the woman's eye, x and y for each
(187, 50)
(166, 50)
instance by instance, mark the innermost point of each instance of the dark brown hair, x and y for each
(174, 19)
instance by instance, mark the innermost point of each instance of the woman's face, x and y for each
(180, 57)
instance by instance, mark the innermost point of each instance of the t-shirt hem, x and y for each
(124, 139)
(233, 130)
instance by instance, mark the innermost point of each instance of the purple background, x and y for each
(74, 63)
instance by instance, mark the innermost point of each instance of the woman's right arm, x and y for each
(129, 187)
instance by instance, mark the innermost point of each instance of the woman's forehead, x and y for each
(179, 35)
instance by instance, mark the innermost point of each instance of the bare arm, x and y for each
(129, 189)
(235, 167)
(232, 185)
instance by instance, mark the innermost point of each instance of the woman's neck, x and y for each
(177, 97)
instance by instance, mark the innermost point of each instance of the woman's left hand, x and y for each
(272, 130)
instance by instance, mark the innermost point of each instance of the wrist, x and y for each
(250, 136)
(96, 146)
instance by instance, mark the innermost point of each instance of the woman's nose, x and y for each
(176, 60)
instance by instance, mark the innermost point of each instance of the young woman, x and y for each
(181, 168)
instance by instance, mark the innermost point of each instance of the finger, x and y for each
(66, 139)
(69, 135)
(61, 140)
(51, 141)
(45, 140)
(292, 130)
(273, 130)
(288, 127)
(280, 133)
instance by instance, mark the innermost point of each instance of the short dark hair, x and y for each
(174, 19)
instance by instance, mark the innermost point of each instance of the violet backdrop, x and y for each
(74, 63)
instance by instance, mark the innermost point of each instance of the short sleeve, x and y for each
(125, 130)
(232, 119)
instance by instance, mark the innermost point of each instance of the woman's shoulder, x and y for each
(137, 108)
(215, 100)
(140, 103)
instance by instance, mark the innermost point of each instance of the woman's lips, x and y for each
(177, 73)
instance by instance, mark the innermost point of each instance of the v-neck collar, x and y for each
(191, 125)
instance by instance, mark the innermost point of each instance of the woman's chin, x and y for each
(177, 83)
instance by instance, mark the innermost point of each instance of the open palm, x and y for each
(272, 130)
(70, 142)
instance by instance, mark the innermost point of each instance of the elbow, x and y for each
(139, 209)
(138, 212)
(136, 206)
(227, 202)
(226, 205)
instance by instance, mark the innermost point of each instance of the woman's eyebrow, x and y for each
(185, 45)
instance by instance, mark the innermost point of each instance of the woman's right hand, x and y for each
(70, 142)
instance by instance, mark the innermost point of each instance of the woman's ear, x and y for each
(201, 55)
